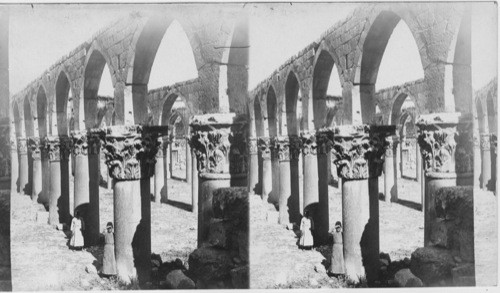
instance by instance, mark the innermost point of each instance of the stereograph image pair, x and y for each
(248, 145)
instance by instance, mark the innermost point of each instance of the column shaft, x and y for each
(390, 169)
(36, 184)
(81, 184)
(14, 167)
(267, 168)
(23, 164)
(189, 164)
(253, 166)
(194, 183)
(486, 160)
(93, 218)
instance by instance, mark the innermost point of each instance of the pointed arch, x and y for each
(28, 118)
(41, 102)
(272, 112)
(259, 122)
(94, 68)
(146, 48)
(291, 100)
(63, 88)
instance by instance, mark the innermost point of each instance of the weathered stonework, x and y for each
(309, 145)
(219, 143)
(35, 148)
(252, 146)
(437, 142)
(65, 147)
(22, 145)
(392, 145)
(359, 150)
(324, 140)
(281, 145)
(485, 142)
(53, 148)
(79, 145)
(265, 147)
(464, 153)
(130, 152)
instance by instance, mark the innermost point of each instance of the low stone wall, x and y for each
(449, 260)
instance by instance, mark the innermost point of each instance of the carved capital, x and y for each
(295, 147)
(437, 142)
(94, 141)
(358, 150)
(252, 146)
(281, 145)
(309, 145)
(485, 142)
(35, 148)
(22, 145)
(265, 147)
(392, 145)
(130, 151)
(493, 140)
(80, 144)
(219, 143)
(52, 147)
(65, 145)
(324, 141)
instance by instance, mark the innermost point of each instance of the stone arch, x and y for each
(481, 116)
(323, 66)
(259, 121)
(94, 67)
(63, 88)
(147, 42)
(233, 69)
(272, 111)
(41, 102)
(374, 45)
(28, 118)
(395, 113)
(167, 107)
(292, 89)
(175, 115)
(17, 119)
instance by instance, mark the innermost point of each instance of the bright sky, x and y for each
(39, 36)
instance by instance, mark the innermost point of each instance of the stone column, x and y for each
(438, 144)
(159, 187)
(65, 203)
(130, 155)
(220, 147)
(390, 171)
(189, 170)
(194, 181)
(281, 145)
(267, 172)
(311, 193)
(22, 150)
(81, 178)
(36, 155)
(109, 183)
(14, 165)
(52, 148)
(493, 140)
(359, 152)
(166, 157)
(92, 227)
(45, 174)
(418, 160)
(275, 166)
(253, 166)
(486, 160)
(324, 145)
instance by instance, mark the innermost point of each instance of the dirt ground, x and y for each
(42, 260)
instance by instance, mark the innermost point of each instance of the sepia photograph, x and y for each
(248, 145)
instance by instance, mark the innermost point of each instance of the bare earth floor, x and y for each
(276, 261)
(41, 260)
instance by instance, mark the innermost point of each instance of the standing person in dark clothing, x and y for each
(337, 266)
(108, 261)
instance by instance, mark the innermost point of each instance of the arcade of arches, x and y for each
(287, 140)
(63, 130)
(303, 140)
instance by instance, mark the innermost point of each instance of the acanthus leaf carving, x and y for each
(35, 148)
(309, 144)
(265, 147)
(80, 145)
(52, 147)
(252, 146)
(22, 145)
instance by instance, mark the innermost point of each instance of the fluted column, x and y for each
(444, 164)
(359, 158)
(22, 150)
(267, 173)
(14, 165)
(390, 171)
(159, 179)
(36, 156)
(253, 165)
(485, 145)
(130, 156)
(219, 142)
